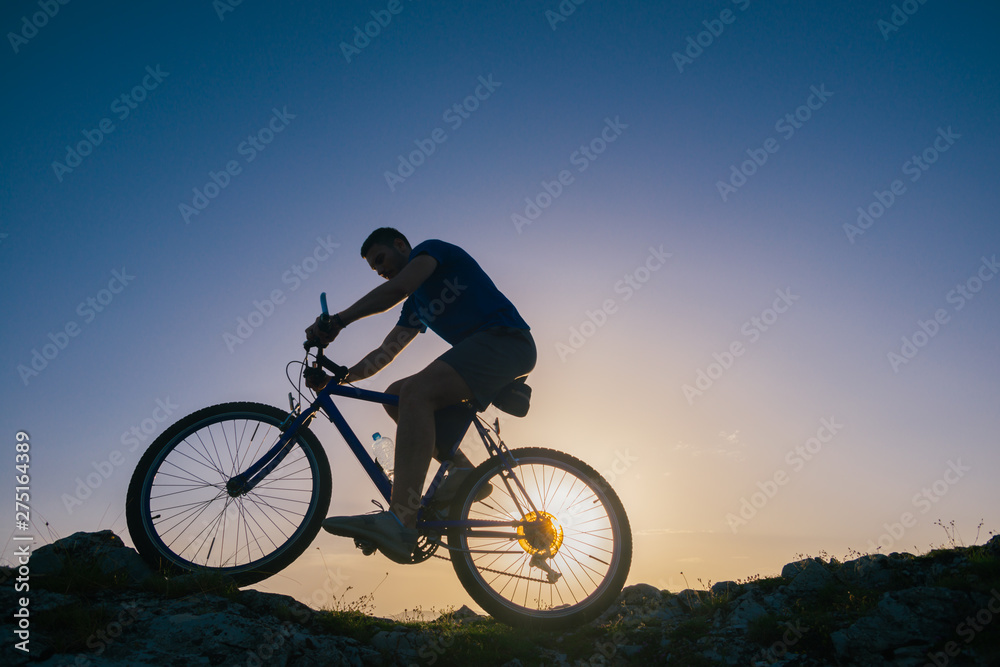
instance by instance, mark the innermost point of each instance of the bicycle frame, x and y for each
(249, 478)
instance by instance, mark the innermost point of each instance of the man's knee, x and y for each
(437, 386)
(411, 388)
(393, 410)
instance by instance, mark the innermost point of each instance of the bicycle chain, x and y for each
(487, 569)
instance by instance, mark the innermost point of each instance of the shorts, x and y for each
(490, 360)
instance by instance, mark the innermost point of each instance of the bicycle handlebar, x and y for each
(324, 325)
(339, 372)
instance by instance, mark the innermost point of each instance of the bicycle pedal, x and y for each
(367, 547)
(551, 575)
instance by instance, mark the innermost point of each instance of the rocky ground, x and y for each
(92, 601)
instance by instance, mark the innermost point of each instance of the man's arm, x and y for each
(379, 300)
(381, 356)
(391, 292)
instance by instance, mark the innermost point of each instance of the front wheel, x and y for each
(565, 552)
(182, 517)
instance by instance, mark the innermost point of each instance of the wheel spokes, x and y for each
(195, 516)
(582, 550)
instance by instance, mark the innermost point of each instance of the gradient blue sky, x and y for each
(684, 464)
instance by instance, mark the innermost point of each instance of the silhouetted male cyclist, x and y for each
(446, 291)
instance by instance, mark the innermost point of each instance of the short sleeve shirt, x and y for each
(458, 298)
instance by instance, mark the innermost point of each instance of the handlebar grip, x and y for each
(324, 319)
(324, 324)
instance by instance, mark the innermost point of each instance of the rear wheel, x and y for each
(182, 518)
(566, 559)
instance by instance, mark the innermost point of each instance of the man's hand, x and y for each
(316, 379)
(323, 331)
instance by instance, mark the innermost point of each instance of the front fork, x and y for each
(243, 483)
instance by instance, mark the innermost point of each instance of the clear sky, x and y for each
(756, 243)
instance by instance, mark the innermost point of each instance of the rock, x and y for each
(465, 615)
(103, 550)
(634, 604)
(993, 546)
(641, 595)
(205, 620)
(725, 588)
(911, 617)
(806, 576)
(280, 606)
(747, 609)
(691, 598)
(871, 571)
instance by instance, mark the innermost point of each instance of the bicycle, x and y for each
(242, 488)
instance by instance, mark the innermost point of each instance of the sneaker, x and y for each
(452, 484)
(382, 528)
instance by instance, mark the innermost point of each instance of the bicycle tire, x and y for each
(581, 522)
(181, 481)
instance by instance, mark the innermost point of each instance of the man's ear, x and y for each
(402, 246)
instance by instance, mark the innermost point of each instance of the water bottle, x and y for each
(384, 452)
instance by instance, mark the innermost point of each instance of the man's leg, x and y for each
(420, 395)
(458, 458)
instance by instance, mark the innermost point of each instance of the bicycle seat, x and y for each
(514, 398)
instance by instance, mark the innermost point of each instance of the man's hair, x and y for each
(382, 236)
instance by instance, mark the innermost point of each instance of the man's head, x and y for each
(386, 250)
